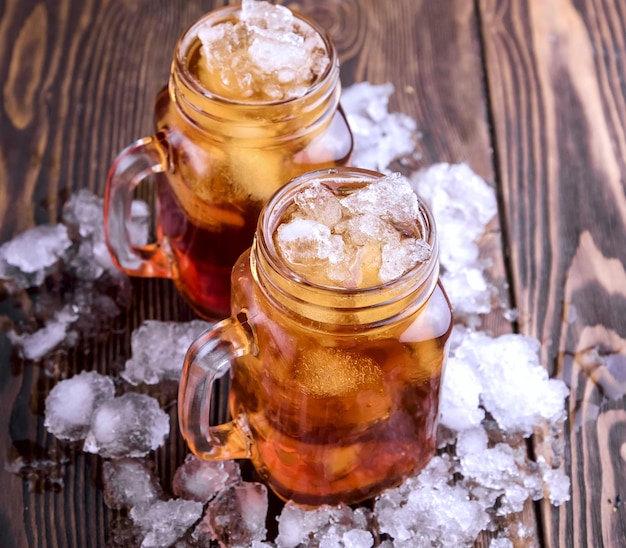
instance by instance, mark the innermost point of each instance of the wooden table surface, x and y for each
(531, 94)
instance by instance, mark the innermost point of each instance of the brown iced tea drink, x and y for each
(253, 101)
(337, 341)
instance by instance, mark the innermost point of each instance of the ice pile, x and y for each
(85, 406)
(325, 526)
(29, 257)
(267, 55)
(158, 350)
(462, 204)
(91, 292)
(380, 137)
(360, 240)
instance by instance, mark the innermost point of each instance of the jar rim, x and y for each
(224, 14)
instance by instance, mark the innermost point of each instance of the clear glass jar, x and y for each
(334, 392)
(219, 160)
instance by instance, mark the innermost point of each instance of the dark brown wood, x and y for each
(529, 94)
(555, 72)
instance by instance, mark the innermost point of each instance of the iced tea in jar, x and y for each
(336, 342)
(252, 101)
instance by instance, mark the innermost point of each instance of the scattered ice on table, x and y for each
(267, 55)
(129, 426)
(380, 137)
(427, 510)
(462, 204)
(129, 482)
(557, 484)
(71, 404)
(324, 526)
(199, 480)
(508, 370)
(83, 213)
(92, 290)
(28, 258)
(165, 521)
(501, 543)
(158, 350)
(57, 330)
(236, 516)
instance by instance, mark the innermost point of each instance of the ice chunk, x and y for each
(317, 203)
(508, 369)
(460, 398)
(129, 426)
(236, 516)
(398, 258)
(468, 291)
(128, 483)
(267, 55)
(462, 204)
(557, 484)
(35, 346)
(199, 480)
(29, 257)
(380, 137)
(391, 198)
(164, 522)
(323, 526)
(158, 350)
(71, 403)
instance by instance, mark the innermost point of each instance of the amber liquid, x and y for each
(209, 205)
(338, 418)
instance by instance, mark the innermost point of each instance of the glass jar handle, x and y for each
(207, 359)
(144, 157)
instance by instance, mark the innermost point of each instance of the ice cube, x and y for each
(265, 56)
(165, 521)
(129, 426)
(199, 480)
(307, 242)
(391, 198)
(236, 516)
(30, 256)
(398, 258)
(318, 203)
(71, 404)
(128, 483)
(158, 350)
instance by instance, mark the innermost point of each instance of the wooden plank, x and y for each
(555, 73)
(79, 80)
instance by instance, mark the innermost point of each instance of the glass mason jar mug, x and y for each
(218, 160)
(334, 391)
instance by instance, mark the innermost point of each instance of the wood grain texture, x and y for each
(79, 79)
(555, 72)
